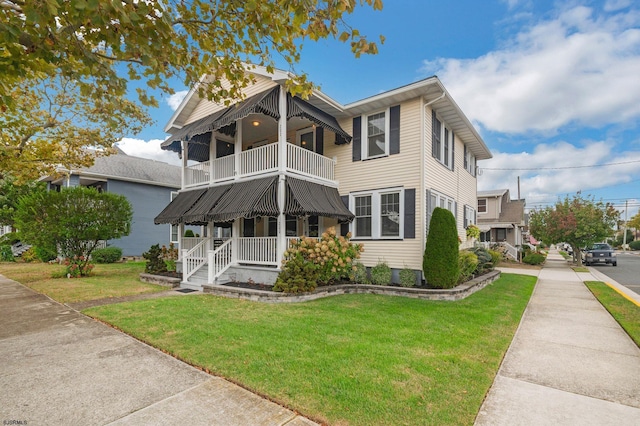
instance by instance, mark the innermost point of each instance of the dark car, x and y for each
(600, 253)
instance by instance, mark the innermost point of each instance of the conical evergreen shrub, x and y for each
(440, 262)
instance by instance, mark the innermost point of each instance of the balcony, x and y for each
(259, 161)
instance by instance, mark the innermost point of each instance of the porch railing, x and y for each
(195, 258)
(260, 160)
(309, 163)
(261, 250)
(197, 174)
(190, 242)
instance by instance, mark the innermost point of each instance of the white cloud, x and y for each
(612, 5)
(148, 149)
(542, 184)
(579, 68)
(175, 100)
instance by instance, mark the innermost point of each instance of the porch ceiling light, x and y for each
(255, 123)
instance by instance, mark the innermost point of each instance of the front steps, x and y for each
(240, 273)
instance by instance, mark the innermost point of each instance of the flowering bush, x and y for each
(77, 267)
(332, 257)
(170, 256)
(473, 231)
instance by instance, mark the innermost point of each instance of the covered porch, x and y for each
(241, 224)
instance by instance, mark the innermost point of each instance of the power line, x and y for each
(560, 168)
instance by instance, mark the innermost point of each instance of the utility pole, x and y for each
(624, 229)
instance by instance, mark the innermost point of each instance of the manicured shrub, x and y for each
(440, 262)
(188, 233)
(6, 255)
(46, 254)
(407, 277)
(297, 275)
(155, 263)
(495, 258)
(381, 274)
(467, 262)
(107, 255)
(634, 245)
(534, 259)
(360, 274)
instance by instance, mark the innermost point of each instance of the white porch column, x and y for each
(212, 156)
(180, 238)
(185, 151)
(281, 244)
(235, 234)
(237, 149)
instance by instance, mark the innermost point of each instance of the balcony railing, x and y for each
(261, 160)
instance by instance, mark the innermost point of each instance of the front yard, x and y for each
(351, 359)
(109, 280)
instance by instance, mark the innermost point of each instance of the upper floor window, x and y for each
(469, 161)
(379, 214)
(482, 205)
(305, 138)
(376, 135)
(442, 140)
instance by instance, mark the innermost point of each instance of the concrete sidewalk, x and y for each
(59, 367)
(570, 363)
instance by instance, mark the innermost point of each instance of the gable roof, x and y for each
(431, 90)
(120, 166)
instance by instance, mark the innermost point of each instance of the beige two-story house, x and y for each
(501, 219)
(273, 167)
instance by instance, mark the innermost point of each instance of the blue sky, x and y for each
(552, 87)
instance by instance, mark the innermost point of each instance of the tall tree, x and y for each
(103, 45)
(579, 221)
(634, 222)
(75, 220)
(52, 122)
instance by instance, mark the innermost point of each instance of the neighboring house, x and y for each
(274, 167)
(147, 184)
(501, 219)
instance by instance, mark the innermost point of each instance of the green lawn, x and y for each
(110, 280)
(347, 360)
(624, 311)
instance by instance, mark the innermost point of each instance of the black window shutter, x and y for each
(394, 130)
(434, 151)
(344, 227)
(466, 163)
(428, 210)
(357, 139)
(320, 140)
(453, 150)
(465, 217)
(410, 213)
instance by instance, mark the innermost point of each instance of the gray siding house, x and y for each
(147, 184)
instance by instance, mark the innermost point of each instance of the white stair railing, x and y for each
(194, 259)
(510, 250)
(219, 261)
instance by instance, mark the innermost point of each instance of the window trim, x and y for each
(446, 143)
(304, 131)
(486, 206)
(376, 213)
(469, 216)
(469, 161)
(365, 134)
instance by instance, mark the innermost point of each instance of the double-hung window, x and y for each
(375, 128)
(442, 140)
(379, 214)
(469, 161)
(469, 216)
(482, 205)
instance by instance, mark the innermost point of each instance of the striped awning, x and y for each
(253, 198)
(180, 205)
(199, 132)
(306, 198)
(200, 212)
(297, 107)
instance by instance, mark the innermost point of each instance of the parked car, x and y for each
(600, 253)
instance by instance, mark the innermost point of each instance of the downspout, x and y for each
(436, 99)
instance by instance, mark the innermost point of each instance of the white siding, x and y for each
(399, 170)
(457, 183)
(206, 107)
